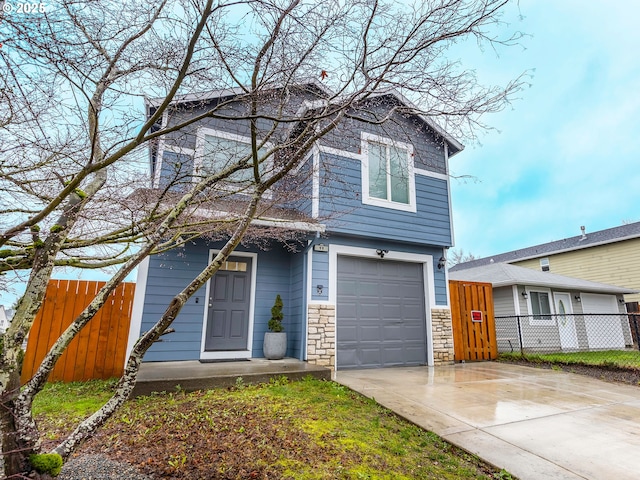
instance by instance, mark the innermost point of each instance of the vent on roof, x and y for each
(584, 235)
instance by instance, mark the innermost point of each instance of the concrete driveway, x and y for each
(535, 423)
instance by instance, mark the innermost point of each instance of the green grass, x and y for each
(300, 430)
(607, 358)
(74, 400)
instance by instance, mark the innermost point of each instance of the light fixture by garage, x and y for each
(381, 252)
(442, 263)
(525, 295)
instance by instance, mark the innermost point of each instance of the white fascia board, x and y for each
(302, 226)
(229, 92)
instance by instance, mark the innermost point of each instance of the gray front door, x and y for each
(380, 313)
(229, 300)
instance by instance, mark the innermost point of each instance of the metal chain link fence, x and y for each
(570, 334)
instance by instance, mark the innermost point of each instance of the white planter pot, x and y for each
(275, 345)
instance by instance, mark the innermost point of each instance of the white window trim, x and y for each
(540, 322)
(428, 279)
(228, 355)
(366, 198)
(160, 153)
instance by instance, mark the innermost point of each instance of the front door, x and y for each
(566, 323)
(228, 306)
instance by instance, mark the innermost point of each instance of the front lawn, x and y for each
(300, 430)
(607, 358)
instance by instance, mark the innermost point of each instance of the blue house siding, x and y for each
(170, 272)
(428, 146)
(341, 202)
(297, 307)
(273, 278)
(320, 273)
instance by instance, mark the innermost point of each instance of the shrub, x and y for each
(50, 463)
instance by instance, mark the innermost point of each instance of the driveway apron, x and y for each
(534, 423)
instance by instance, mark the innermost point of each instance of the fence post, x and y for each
(520, 335)
(635, 327)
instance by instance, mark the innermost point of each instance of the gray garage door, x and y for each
(380, 314)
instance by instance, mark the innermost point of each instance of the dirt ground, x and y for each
(608, 374)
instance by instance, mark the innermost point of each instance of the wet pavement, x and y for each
(535, 423)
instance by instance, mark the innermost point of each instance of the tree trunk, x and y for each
(15, 450)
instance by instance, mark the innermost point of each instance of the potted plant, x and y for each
(275, 340)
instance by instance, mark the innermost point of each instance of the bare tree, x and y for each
(73, 141)
(456, 256)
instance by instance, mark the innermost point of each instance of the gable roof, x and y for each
(312, 84)
(601, 237)
(503, 274)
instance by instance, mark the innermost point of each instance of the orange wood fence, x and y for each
(474, 327)
(99, 350)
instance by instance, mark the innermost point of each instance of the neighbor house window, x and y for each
(388, 178)
(221, 150)
(544, 264)
(540, 308)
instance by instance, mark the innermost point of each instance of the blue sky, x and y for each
(567, 153)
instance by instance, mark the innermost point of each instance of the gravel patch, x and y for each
(98, 467)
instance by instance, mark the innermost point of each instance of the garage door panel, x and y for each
(369, 355)
(412, 331)
(414, 354)
(380, 313)
(394, 356)
(369, 333)
(349, 334)
(414, 312)
(394, 332)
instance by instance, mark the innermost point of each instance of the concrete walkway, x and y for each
(535, 423)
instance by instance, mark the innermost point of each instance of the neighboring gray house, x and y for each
(5, 318)
(554, 312)
(367, 288)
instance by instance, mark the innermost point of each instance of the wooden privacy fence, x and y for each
(99, 350)
(474, 328)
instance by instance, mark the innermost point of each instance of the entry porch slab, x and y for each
(195, 375)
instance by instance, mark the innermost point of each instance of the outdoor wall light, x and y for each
(621, 300)
(578, 299)
(382, 253)
(319, 289)
(441, 263)
(525, 295)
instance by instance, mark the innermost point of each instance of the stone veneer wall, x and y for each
(442, 330)
(321, 339)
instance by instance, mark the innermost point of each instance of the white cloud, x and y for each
(569, 152)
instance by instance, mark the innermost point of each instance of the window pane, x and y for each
(399, 175)
(220, 153)
(540, 303)
(377, 171)
(233, 267)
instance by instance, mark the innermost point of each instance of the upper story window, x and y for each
(388, 174)
(218, 150)
(544, 264)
